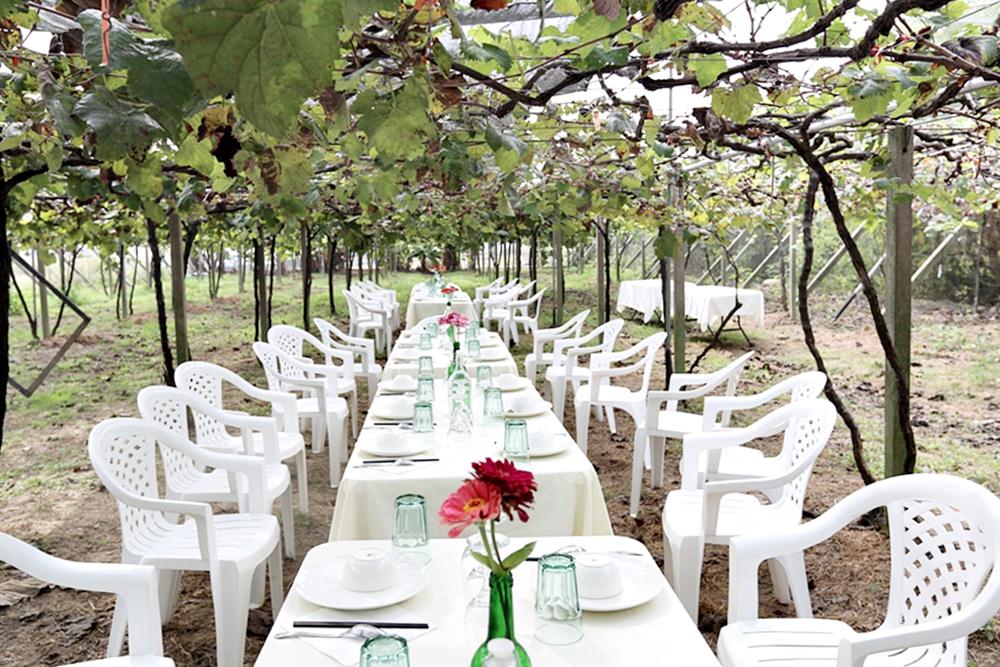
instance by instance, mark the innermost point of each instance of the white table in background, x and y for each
(441, 353)
(706, 304)
(424, 302)
(657, 633)
(569, 500)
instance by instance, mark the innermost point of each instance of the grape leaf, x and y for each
(737, 103)
(272, 53)
(487, 53)
(121, 128)
(156, 73)
(707, 68)
(395, 123)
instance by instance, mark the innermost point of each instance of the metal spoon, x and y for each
(359, 631)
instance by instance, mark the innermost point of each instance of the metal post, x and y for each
(767, 260)
(830, 263)
(899, 269)
(598, 230)
(679, 332)
(935, 257)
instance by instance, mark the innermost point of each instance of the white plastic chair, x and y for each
(362, 350)
(599, 392)
(944, 581)
(660, 423)
(207, 381)
(134, 584)
(229, 546)
(496, 309)
(367, 315)
(373, 292)
(525, 312)
(482, 292)
(725, 509)
(538, 357)
(339, 375)
(740, 462)
(566, 369)
(186, 480)
(327, 413)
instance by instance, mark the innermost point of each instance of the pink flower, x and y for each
(473, 501)
(450, 289)
(454, 318)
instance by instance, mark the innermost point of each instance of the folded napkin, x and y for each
(347, 650)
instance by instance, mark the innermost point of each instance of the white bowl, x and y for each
(368, 570)
(393, 408)
(508, 381)
(525, 405)
(401, 383)
(597, 576)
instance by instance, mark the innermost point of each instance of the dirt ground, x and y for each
(957, 415)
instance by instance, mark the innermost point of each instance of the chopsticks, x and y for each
(370, 462)
(350, 624)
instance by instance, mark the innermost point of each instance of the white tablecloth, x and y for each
(657, 633)
(424, 302)
(569, 500)
(706, 304)
(395, 365)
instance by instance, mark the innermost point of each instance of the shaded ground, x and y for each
(50, 496)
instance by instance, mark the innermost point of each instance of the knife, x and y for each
(350, 624)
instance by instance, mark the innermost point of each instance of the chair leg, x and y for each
(638, 447)
(119, 623)
(582, 424)
(559, 399)
(610, 412)
(530, 372)
(598, 412)
(276, 584)
(288, 523)
(372, 383)
(685, 561)
(336, 436)
(318, 433)
(513, 332)
(794, 566)
(231, 597)
(656, 455)
(354, 412)
(303, 479)
(169, 588)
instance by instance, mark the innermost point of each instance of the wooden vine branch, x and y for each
(805, 320)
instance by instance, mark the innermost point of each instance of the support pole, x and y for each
(558, 281)
(599, 231)
(764, 262)
(935, 257)
(898, 284)
(43, 296)
(679, 332)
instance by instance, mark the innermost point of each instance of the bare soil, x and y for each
(75, 518)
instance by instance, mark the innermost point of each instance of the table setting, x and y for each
(552, 601)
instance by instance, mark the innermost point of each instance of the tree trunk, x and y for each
(558, 277)
(306, 273)
(43, 296)
(178, 298)
(517, 257)
(242, 269)
(135, 280)
(161, 304)
(4, 304)
(274, 266)
(331, 255)
(66, 284)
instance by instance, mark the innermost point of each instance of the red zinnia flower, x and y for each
(517, 487)
(473, 501)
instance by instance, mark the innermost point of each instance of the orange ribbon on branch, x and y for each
(105, 31)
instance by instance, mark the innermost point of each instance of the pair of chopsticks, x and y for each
(370, 462)
(350, 624)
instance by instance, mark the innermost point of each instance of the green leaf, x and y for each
(487, 562)
(121, 128)
(60, 105)
(396, 123)
(144, 178)
(708, 68)
(497, 139)
(487, 53)
(355, 10)
(197, 155)
(736, 103)
(156, 73)
(518, 557)
(272, 53)
(870, 98)
(664, 245)
(599, 57)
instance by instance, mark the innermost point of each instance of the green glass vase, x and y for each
(501, 620)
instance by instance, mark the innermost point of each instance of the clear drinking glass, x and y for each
(385, 651)
(433, 328)
(515, 439)
(558, 618)
(425, 366)
(409, 533)
(425, 389)
(484, 376)
(472, 348)
(492, 402)
(426, 341)
(423, 417)
(475, 575)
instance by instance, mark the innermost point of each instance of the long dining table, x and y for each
(405, 355)
(569, 500)
(658, 632)
(426, 300)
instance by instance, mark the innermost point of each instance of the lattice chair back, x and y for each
(943, 550)
(204, 380)
(168, 408)
(653, 344)
(290, 340)
(123, 454)
(810, 424)
(352, 305)
(610, 331)
(267, 354)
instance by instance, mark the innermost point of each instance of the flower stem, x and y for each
(485, 540)
(496, 547)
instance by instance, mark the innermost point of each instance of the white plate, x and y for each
(510, 382)
(641, 582)
(399, 384)
(547, 444)
(492, 354)
(409, 353)
(321, 585)
(386, 443)
(395, 408)
(525, 406)
(489, 340)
